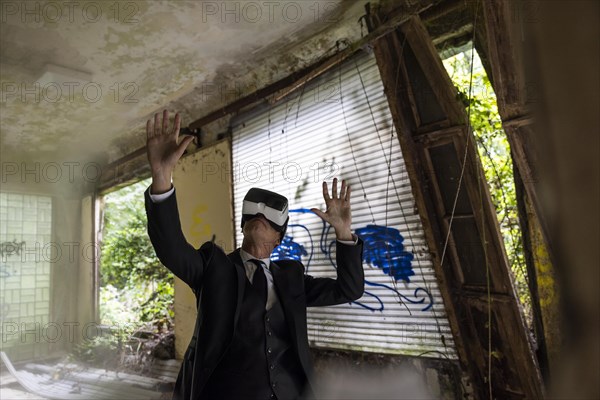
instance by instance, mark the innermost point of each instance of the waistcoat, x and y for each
(260, 363)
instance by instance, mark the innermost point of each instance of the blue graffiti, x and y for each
(383, 248)
(295, 249)
(288, 249)
(425, 293)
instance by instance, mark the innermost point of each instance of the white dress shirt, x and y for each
(251, 269)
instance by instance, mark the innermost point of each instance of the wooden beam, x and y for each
(439, 134)
(431, 65)
(503, 44)
(518, 121)
(505, 56)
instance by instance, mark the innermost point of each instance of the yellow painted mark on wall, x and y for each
(200, 229)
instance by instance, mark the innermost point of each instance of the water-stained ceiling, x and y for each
(112, 64)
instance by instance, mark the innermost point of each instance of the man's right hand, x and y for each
(163, 150)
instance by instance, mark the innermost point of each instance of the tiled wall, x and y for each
(26, 256)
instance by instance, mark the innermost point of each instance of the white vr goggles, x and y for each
(273, 206)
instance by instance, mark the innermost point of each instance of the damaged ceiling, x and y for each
(126, 60)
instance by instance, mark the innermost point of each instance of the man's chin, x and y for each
(260, 222)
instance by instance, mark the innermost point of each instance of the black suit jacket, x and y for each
(218, 280)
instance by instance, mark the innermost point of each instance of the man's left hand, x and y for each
(338, 210)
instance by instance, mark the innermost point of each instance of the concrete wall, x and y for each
(41, 206)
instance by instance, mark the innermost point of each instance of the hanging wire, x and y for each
(269, 137)
(300, 103)
(464, 161)
(515, 241)
(485, 252)
(362, 186)
(387, 161)
(283, 137)
(390, 176)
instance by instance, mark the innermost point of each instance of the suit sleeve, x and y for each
(349, 285)
(170, 245)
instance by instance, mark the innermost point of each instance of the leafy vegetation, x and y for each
(494, 152)
(135, 288)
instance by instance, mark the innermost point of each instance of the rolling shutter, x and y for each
(323, 131)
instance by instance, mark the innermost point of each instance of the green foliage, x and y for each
(96, 350)
(135, 287)
(494, 152)
(157, 309)
(117, 307)
(127, 254)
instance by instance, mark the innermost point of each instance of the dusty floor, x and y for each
(85, 381)
(342, 375)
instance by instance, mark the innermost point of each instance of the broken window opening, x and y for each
(495, 155)
(136, 291)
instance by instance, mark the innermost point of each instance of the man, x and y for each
(250, 339)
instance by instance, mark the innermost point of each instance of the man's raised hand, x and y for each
(164, 150)
(338, 210)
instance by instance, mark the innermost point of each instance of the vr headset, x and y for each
(270, 204)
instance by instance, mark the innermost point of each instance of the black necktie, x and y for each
(259, 282)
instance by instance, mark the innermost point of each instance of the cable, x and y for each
(388, 161)
(352, 148)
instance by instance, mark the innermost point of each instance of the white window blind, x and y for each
(345, 130)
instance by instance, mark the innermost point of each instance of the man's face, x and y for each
(259, 231)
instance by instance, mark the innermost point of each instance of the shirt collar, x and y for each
(247, 257)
